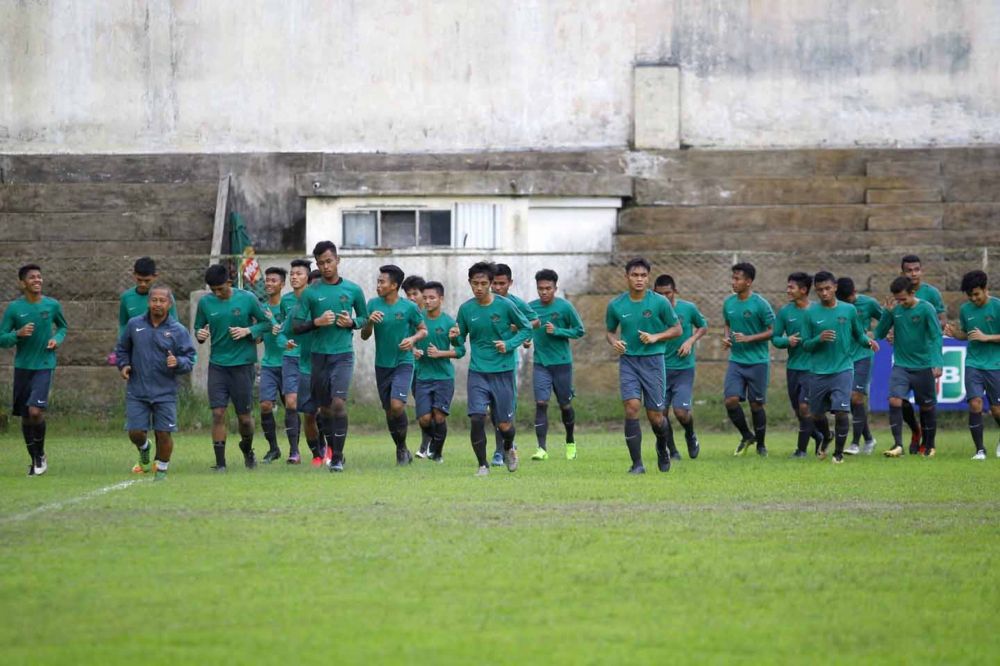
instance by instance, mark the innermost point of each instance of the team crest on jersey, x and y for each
(841, 320)
(494, 318)
(236, 312)
(747, 314)
(44, 315)
(555, 316)
(344, 298)
(439, 329)
(647, 314)
(915, 319)
(399, 316)
(989, 319)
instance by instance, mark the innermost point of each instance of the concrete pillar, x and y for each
(656, 95)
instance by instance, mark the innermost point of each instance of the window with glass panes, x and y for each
(397, 228)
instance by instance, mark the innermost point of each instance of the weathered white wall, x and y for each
(88, 76)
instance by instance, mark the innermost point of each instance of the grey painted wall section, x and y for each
(133, 76)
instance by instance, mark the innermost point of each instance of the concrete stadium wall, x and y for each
(212, 76)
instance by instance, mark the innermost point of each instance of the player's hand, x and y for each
(513, 328)
(937, 373)
(290, 345)
(619, 346)
(526, 344)
(433, 352)
(52, 344)
(276, 329)
(873, 344)
(126, 371)
(739, 337)
(646, 338)
(419, 353)
(794, 339)
(26, 330)
(889, 303)
(453, 332)
(238, 332)
(550, 328)
(344, 319)
(202, 333)
(406, 344)
(829, 335)
(891, 336)
(727, 342)
(171, 360)
(325, 319)
(685, 348)
(501, 346)
(376, 317)
(977, 335)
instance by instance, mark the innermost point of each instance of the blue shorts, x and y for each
(921, 382)
(393, 383)
(831, 393)
(747, 382)
(979, 383)
(331, 377)
(798, 382)
(139, 412)
(306, 404)
(642, 377)
(231, 383)
(289, 375)
(862, 375)
(31, 389)
(270, 384)
(492, 391)
(548, 378)
(680, 387)
(429, 394)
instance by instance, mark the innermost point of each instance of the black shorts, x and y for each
(31, 389)
(231, 383)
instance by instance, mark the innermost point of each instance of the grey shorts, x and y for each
(305, 404)
(642, 377)
(798, 382)
(231, 384)
(921, 382)
(548, 378)
(979, 383)
(138, 414)
(270, 384)
(680, 388)
(393, 383)
(289, 375)
(493, 391)
(862, 375)
(831, 393)
(331, 377)
(430, 394)
(747, 382)
(31, 389)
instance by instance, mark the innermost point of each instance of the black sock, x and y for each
(976, 428)
(220, 452)
(478, 437)
(928, 421)
(806, 429)
(338, 433)
(569, 421)
(822, 426)
(292, 428)
(759, 417)
(665, 436)
(426, 435)
(633, 440)
(28, 432)
(40, 439)
(908, 416)
(688, 425)
(841, 428)
(859, 417)
(246, 443)
(324, 425)
(439, 433)
(314, 447)
(508, 437)
(868, 430)
(997, 419)
(398, 425)
(541, 424)
(896, 424)
(739, 420)
(270, 428)
(498, 439)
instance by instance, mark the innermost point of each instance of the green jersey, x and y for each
(132, 304)
(341, 296)
(982, 355)
(484, 325)
(553, 348)
(828, 357)
(241, 309)
(930, 293)
(650, 314)
(399, 320)
(528, 312)
(274, 345)
(917, 337)
(690, 318)
(868, 308)
(787, 323)
(303, 341)
(749, 317)
(32, 351)
(288, 303)
(431, 369)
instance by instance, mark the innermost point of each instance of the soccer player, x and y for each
(911, 267)
(979, 323)
(495, 328)
(868, 309)
(830, 331)
(272, 363)
(645, 321)
(233, 319)
(153, 350)
(788, 335)
(559, 323)
(413, 287)
(502, 282)
(679, 361)
(35, 325)
(748, 326)
(298, 278)
(135, 301)
(302, 342)
(916, 360)
(328, 304)
(397, 325)
(434, 385)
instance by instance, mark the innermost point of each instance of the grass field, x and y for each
(723, 559)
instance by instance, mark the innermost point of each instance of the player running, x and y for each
(272, 363)
(298, 278)
(134, 302)
(868, 310)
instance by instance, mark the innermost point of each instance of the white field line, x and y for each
(55, 506)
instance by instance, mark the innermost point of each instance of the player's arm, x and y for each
(861, 335)
(778, 337)
(185, 352)
(611, 330)
(811, 338)
(122, 314)
(937, 353)
(59, 321)
(673, 325)
(766, 317)
(884, 325)
(460, 330)
(8, 329)
(200, 321)
(360, 309)
(263, 320)
(419, 333)
(369, 326)
(699, 330)
(517, 318)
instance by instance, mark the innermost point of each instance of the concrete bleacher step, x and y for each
(98, 197)
(106, 226)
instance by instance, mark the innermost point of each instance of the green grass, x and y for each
(723, 559)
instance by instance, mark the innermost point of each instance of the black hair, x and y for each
(483, 268)
(276, 270)
(547, 275)
(323, 246)
(636, 262)
(22, 272)
(413, 282)
(908, 259)
(901, 284)
(747, 269)
(503, 269)
(314, 275)
(845, 288)
(973, 280)
(436, 286)
(216, 275)
(665, 280)
(302, 263)
(804, 280)
(824, 276)
(144, 266)
(394, 272)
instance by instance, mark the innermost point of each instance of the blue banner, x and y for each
(950, 387)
